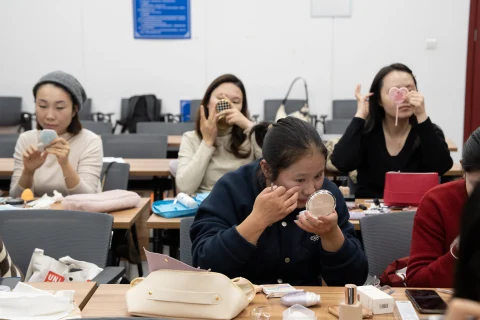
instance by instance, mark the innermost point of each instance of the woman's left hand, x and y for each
(321, 226)
(60, 148)
(234, 116)
(417, 101)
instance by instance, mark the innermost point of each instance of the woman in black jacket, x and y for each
(378, 140)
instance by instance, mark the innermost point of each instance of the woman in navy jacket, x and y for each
(251, 226)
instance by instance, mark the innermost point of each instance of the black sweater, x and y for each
(284, 252)
(425, 150)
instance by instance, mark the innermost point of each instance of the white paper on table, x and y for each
(46, 201)
(27, 302)
(113, 159)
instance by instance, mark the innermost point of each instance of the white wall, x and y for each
(264, 42)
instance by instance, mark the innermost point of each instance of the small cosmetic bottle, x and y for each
(350, 309)
(306, 299)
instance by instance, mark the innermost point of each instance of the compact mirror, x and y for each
(321, 203)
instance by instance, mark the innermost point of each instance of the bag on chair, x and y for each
(189, 294)
(43, 268)
(303, 113)
(407, 189)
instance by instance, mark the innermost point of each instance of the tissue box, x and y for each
(375, 299)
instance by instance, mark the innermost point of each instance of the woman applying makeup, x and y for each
(219, 143)
(378, 140)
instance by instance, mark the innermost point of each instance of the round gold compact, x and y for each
(321, 203)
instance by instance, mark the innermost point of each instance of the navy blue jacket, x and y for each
(284, 253)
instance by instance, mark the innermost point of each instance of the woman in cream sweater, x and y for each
(72, 163)
(219, 143)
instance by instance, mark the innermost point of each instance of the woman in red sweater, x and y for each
(437, 222)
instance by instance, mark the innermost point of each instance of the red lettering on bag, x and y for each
(54, 277)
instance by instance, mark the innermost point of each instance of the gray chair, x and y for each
(386, 237)
(12, 115)
(336, 126)
(270, 108)
(8, 142)
(81, 235)
(85, 112)
(344, 109)
(135, 146)
(97, 126)
(168, 128)
(185, 242)
(194, 105)
(114, 176)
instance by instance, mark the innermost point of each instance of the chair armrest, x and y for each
(109, 275)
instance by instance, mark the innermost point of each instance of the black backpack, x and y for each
(144, 108)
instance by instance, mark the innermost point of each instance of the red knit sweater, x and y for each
(435, 227)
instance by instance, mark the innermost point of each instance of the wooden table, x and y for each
(138, 167)
(123, 219)
(174, 141)
(160, 168)
(83, 290)
(109, 301)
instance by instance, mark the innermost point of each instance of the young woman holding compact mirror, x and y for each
(254, 225)
(71, 160)
(220, 142)
(391, 131)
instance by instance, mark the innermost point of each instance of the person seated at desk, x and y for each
(437, 221)
(374, 143)
(72, 163)
(467, 274)
(219, 143)
(250, 225)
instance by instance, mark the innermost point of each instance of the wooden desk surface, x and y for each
(158, 222)
(160, 168)
(138, 167)
(109, 301)
(83, 290)
(174, 141)
(451, 145)
(124, 219)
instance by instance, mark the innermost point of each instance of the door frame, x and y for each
(472, 73)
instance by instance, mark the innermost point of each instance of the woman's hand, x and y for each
(362, 103)
(208, 127)
(326, 227)
(235, 116)
(320, 226)
(417, 101)
(274, 205)
(33, 159)
(60, 148)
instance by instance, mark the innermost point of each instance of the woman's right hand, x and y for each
(274, 205)
(33, 159)
(208, 127)
(362, 103)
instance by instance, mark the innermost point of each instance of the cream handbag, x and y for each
(189, 294)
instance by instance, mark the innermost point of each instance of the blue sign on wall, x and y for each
(161, 19)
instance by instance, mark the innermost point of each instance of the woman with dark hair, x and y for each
(72, 163)
(219, 143)
(251, 224)
(436, 224)
(387, 135)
